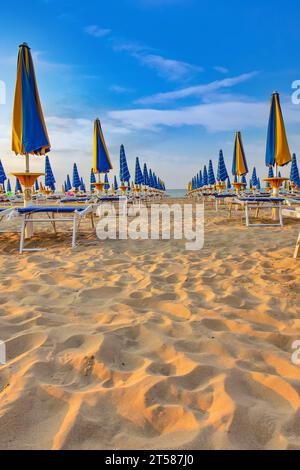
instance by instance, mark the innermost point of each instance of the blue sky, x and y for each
(170, 79)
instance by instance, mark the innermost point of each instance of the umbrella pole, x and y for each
(28, 201)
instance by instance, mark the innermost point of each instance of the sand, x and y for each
(144, 345)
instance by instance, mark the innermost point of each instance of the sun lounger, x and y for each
(222, 197)
(69, 214)
(258, 202)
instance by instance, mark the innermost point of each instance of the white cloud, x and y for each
(120, 89)
(169, 68)
(221, 69)
(96, 31)
(197, 90)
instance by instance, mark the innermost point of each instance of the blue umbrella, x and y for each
(155, 181)
(106, 185)
(2, 174)
(66, 187)
(76, 178)
(254, 177)
(69, 186)
(49, 177)
(205, 176)
(8, 186)
(36, 185)
(294, 175)
(200, 179)
(258, 184)
(116, 187)
(228, 183)
(124, 171)
(92, 179)
(138, 179)
(151, 180)
(18, 186)
(211, 175)
(243, 180)
(82, 186)
(222, 174)
(146, 175)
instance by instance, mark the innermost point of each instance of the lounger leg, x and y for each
(22, 235)
(74, 232)
(297, 249)
(280, 216)
(247, 215)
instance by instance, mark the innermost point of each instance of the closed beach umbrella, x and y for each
(124, 171)
(151, 181)
(101, 162)
(222, 174)
(254, 177)
(205, 176)
(92, 179)
(244, 181)
(69, 185)
(211, 175)
(106, 185)
(8, 186)
(200, 179)
(116, 186)
(18, 186)
(49, 177)
(82, 186)
(2, 174)
(294, 175)
(277, 151)
(29, 133)
(228, 183)
(76, 179)
(139, 178)
(258, 184)
(146, 175)
(239, 164)
(36, 185)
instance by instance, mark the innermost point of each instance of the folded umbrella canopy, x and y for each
(277, 151)
(258, 184)
(211, 175)
(116, 186)
(76, 179)
(69, 185)
(36, 185)
(29, 133)
(205, 176)
(228, 183)
(2, 174)
(92, 179)
(244, 181)
(200, 179)
(151, 180)
(18, 186)
(294, 175)
(139, 178)
(146, 175)
(254, 177)
(222, 174)
(239, 164)
(49, 177)
(8, 186)
(124, 171)
(106, 185)
(102, 163)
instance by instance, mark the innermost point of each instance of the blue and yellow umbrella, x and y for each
(277, 151)
(29, 133)
(139, 178)
(239, 164)
(102, 163)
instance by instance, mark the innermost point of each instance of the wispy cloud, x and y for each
(96, 31)
(120, 89)
(197, 90)
(219, 68)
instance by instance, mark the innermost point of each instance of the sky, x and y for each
(172, 80)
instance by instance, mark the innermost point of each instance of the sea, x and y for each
(176, 192)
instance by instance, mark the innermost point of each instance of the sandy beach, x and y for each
(144, 345)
